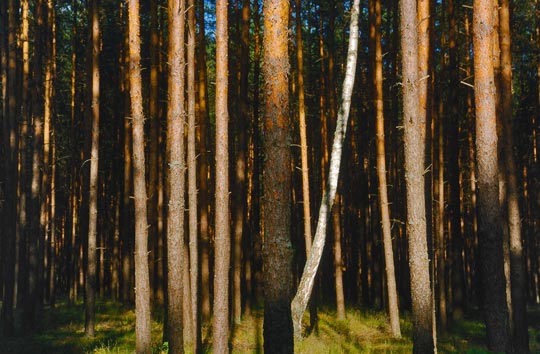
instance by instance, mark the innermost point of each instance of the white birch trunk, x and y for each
(303, 293)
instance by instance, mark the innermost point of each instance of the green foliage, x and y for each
(62, 331)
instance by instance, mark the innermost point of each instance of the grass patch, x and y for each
(61, 331)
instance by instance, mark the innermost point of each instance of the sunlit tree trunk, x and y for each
(303, 293)
(176, 120)
(490, 232)
(306, 205)
(277, 180)
(143, 340)
(220, 325)
(381, 174)
(517, 263)
(422, 300)
(90, 283)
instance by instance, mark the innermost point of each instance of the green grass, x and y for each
(61, 331)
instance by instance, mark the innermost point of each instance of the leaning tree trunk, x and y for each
(143, 340)
(422, 300)
(303, 293)
(489, 223)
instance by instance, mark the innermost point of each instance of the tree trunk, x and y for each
(90, 284)
(517, 263)
(490, 232)
(176, 178)
(277, 178)
(192, 180)
(220, 325)
(422, 300)
(303, 293)
(143, 340)
(393, 308)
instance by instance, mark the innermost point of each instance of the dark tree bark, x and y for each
(489, 223)
(277, 182)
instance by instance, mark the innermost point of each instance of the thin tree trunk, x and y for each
(303, 293)
(90, 283)
(422, 300)
(176, 121)
(203, 168)
(220, 325)
(393, 308)
(517, 263)
(143, 340)
(192, 180)
(10, 137)
(490, 232)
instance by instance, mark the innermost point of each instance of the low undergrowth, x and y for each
(61, 331)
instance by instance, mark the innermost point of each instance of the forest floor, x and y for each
(61, 331)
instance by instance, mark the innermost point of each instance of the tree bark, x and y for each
(490, 232)
(277, 182)
(176, 120)
(220, 326)
(393, 308)
(422, 300)
(143, 340)
(517, 263)
(303, 293)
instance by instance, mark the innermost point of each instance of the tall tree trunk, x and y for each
(90, 283)
(306, 205)
(176, 177)
(490, 232)
(240, 165)
(37, 157)
(10, 137)
(220, 325)
(303, 293)
(203, 167)
(517, 263)
(381, 174)
(153, 153)
(422, 300)
(277, 178)
(143, 340)
(192, 180)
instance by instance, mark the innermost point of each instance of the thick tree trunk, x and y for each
(176, 120)
(422, 300)
(393, 308)
(143, 340)
(277, 248)
(220, 326)
(490, 232)
(303, 293)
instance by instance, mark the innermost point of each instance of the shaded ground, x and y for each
(61, 331)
